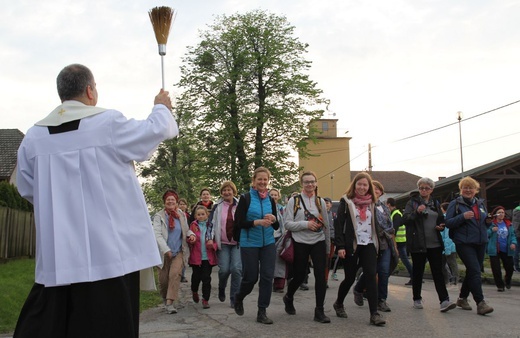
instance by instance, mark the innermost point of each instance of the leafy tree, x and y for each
(246, 102)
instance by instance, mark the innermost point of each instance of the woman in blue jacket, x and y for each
(466, 219)
(501, 247)
(256, 217)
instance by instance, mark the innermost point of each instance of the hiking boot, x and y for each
(501, 289)
(205, 304)
(417, 304)
(184, 280)
(383, 307)
(483, 308)
(377, 319)
(340, 310)
(508, 286)
(261, 317)
(170, 308)
(222, 294)
(239, 307)
(358, 298)
(319, 316)
(447, 306)
(289, 305)
(195, 297)
(463, 303)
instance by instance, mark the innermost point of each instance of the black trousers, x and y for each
(202, 273)
(105, 308)
(318, 253)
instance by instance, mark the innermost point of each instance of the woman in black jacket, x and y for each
(424, 222)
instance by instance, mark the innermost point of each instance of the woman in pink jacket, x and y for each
(203, 255)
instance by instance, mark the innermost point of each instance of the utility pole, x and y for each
(369, 157)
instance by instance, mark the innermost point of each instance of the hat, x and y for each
(327, 199)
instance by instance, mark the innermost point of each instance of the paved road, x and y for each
(221, 321)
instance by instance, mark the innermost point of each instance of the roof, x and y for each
(10, 140)
(499, 183)
(393, 181)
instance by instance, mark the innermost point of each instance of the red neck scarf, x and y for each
(207, 204)
(362, 203)
(171, 218)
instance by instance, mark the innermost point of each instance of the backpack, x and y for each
(451, 232)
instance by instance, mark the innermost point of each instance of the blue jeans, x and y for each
(403, 255)
(229, 263)
(383, 274)
(472, 255)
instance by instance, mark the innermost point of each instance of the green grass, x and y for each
(17, 279)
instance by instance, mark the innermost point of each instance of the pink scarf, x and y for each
(262, 194)
(362, 203)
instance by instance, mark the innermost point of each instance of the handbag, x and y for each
(287, 252)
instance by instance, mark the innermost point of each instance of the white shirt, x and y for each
(92, 221)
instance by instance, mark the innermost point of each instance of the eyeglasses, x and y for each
(309, 182)
(425, 188)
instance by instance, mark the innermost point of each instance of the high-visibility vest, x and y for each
(400, 235)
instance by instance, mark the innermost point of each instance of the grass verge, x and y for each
(17, 279)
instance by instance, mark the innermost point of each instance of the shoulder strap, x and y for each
(296, 207)
(318, 203)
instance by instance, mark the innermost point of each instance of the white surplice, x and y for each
(92, 221)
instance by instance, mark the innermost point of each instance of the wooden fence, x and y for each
(17, 233)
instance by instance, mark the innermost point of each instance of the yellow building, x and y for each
(330, 159)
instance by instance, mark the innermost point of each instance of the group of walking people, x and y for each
(240, 235)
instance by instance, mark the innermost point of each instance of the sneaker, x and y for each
(383, 307)
(205, 304)
(463, 303)
(222, 294)
(170, 308)
(417, 304)
(377, 319)
(501, 289)
(340, 310)
(447, 306)
(409, 282)
(195, 297)
(334, 276)
(358, 298)
(483, 308)
(508, 286)
(178, 304)
(304, 287)
(289, 305)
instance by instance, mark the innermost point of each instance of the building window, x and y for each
(325, 126)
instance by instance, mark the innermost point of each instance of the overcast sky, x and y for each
(391, 69)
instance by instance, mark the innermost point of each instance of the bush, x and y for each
(10, 197)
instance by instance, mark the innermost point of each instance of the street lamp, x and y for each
(459, 117)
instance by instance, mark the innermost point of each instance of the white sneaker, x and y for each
(447, 306)
(417, 304)
(171, 309)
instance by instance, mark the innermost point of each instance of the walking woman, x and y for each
(311, 234)
(357, 242)
(171, 232)
(256, 217)
(425, 222)
(466, 219)
(228, 253)
(385, 232)
(501, 247)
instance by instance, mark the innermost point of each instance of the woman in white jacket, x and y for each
(171, 232)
